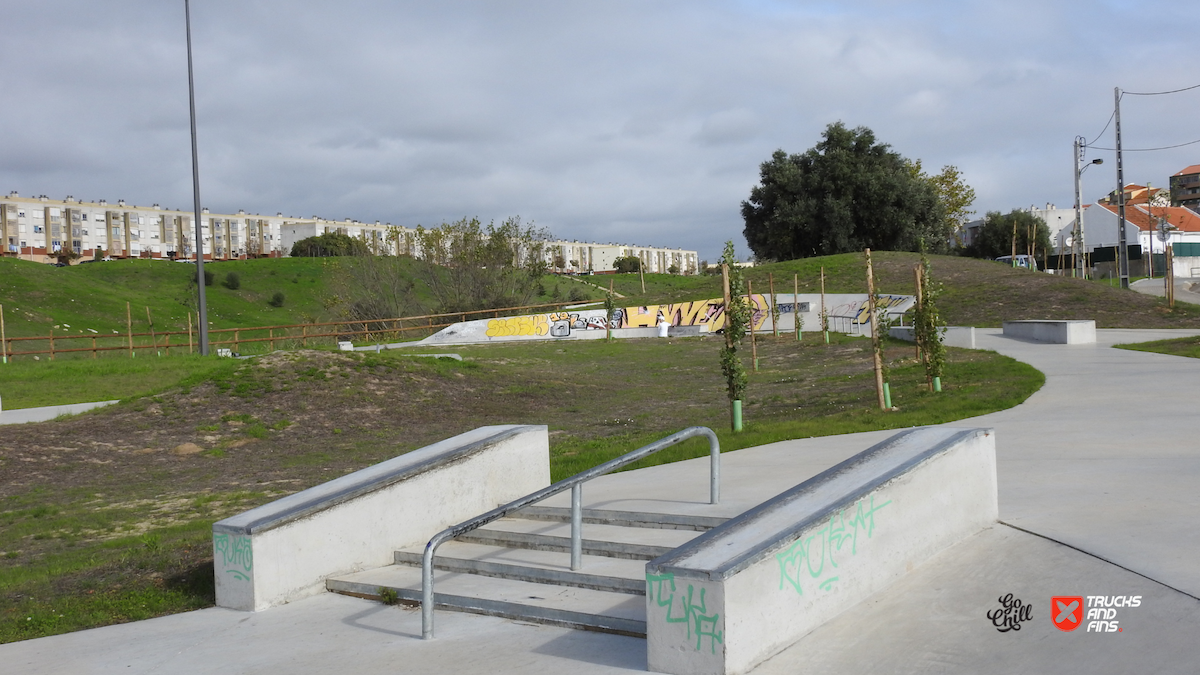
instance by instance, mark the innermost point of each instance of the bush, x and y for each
(209, 277)
(577, 295)
(276, 300)
(232, 281)
(627, 264)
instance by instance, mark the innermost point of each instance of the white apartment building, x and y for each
(42, 229)
(39, 228)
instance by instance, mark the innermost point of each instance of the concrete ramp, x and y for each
(746, 590)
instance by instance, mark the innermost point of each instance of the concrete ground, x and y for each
(1186, 290)
(25, 415)
(1098, 476)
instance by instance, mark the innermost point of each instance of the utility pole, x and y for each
(1077, 236)
(1122, 245)
(199, 243)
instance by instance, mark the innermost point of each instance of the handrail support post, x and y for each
(576, 526)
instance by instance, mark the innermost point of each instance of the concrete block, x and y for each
(952, 336)
(1055, 332)
(746, 590)
(284, 550)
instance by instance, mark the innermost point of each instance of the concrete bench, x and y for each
(952, 336)
(744, 591)
(284, 550)
(1056, 332)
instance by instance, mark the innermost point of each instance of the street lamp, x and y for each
(1077, 236)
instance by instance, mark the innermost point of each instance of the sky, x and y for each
(640, 122)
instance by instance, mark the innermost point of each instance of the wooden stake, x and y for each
(771, 284)
(129, 328)
(725, 291)
(642, 274)
(874, 332)
(93, 347)
(824, 319)
(796, 303)
(190, 347)
(153, 337)
(3, 340)
(917, 274)
(753, 305)
(51, 344)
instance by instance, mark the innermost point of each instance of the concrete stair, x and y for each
(519, 568)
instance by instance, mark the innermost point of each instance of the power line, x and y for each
(1110, 119)
(1159, 93)
(1165, 147)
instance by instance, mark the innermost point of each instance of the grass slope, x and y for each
(976, 292)
(106, 517)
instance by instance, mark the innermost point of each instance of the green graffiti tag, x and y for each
(235, 551)
(660, 588)
(811, 554)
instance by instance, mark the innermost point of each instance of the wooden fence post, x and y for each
(190, 346)
(153, 337)
(3, 341)
(129, 328)
(51, 344)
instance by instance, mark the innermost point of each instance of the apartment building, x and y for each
(44, 229)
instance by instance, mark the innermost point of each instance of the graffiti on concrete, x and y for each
(688, 609)
(860, 312)
(233, 554)
(536, 324)
(814, 557)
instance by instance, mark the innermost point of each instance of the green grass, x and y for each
(30, 384)
(1186, 346)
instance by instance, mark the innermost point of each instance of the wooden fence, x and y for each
(255, 339)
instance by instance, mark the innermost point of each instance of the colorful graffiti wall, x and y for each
(707, 315)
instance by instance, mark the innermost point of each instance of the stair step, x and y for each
(579, 608)
(543, 567)
(672, 521)
(599, 539)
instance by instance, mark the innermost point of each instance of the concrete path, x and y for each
(1103, 459)
(1186, 290)
(23, 415)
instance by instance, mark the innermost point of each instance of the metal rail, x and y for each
(575, 483)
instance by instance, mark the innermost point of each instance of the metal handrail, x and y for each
(575, 483)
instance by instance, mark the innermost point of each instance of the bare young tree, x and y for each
(467, 266)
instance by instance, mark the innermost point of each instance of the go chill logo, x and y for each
(1067, 612)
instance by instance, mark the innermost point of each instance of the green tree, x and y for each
(627, 264)
(328, 244)
(737, 321)
(955, 197)
(845, 194)
(995, 237)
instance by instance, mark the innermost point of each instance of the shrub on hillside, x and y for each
(209, 277)
(276, 300)
(232, 281)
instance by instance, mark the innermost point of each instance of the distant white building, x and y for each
(42, 229)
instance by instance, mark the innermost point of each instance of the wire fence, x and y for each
(248, 340)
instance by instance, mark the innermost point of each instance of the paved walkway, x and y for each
(1103, 459)
(24, 415)
(1184, 291)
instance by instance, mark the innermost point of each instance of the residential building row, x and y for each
(44, 229)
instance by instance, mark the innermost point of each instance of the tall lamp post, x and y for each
(1077, 236)
(199, 243)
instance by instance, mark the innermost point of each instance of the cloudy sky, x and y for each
(640, 122)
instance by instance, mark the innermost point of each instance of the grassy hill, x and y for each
(976, 292)
(75, 299)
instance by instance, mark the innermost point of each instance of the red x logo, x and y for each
(1066, 611)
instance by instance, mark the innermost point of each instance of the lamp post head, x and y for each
(1098, 160)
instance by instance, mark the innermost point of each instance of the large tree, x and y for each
(995, 237)
(845, 194)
